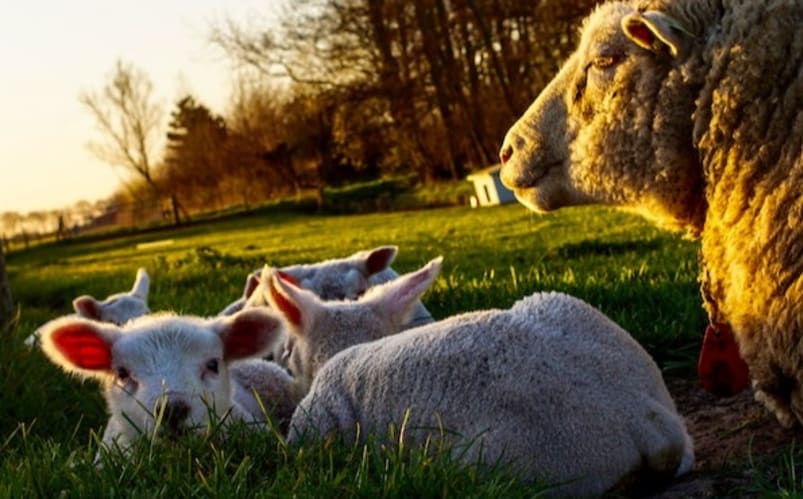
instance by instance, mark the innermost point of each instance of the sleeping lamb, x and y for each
(164, 374)
(118, 308)
(336, 279)
(551, 387)
(690, 112)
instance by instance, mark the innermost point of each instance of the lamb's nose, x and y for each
(506, 153)
(175, 413)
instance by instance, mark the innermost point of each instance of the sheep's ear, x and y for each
(86, 306)
(79, 345)
(397, 299)
(249, 333)
(657, 32)
(251, 284)
(378, 259)
(141, 285)
(297, 305)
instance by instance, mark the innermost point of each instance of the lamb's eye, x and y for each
(605, 61)
(212, 365)
(122, 373)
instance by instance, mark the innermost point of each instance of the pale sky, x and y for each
(52, 50)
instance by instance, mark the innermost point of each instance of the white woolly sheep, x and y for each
(118, 308)
(165, 373)
(691, 112)
(551, 387)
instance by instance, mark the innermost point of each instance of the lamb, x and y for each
(117, 309)
(310, 319)
(164, 374)
(690, 112)
(336, 279)
(551, 387)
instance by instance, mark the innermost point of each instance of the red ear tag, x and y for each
(720, 369)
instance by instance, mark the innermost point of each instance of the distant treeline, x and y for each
(342, 91)
(352, 89)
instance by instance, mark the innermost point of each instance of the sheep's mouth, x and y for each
(522, 177)
(534, 194)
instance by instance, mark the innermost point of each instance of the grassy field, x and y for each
(643, 278)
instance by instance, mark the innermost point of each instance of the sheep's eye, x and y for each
(122, 373)
(605, 61)
(212, 365)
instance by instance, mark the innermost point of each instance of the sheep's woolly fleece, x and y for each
(552, 373)
(707, 139)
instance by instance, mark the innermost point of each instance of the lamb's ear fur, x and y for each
(656, 31)
(248, 333)
(378, 259)
(86, 306)
(251, 284)
(142, 285)
(396, 299)
(80, 346)
(298, 305)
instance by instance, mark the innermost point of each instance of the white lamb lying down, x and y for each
(117, 309)
(175, 370)
(551, 387)
(311, 321)
(336, 279)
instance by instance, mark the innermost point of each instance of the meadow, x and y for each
(643, 278)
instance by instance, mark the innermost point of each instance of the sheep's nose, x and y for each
(175, 413)
(506, 153)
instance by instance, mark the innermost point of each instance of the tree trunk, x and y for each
(6, 304)
(430, 41)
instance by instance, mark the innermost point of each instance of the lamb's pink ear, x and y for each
(79, 345)
(249, 333)
(379, 259)
(656, 31)
(86, 306)
(397, 298)
(297, 305)
(250, 285)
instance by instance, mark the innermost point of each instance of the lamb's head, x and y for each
(336, 279)
(160, 373)
(319, 329)
(343, 278)
(117, 308)
(615, 125)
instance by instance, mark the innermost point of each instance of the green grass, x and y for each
(643, 278)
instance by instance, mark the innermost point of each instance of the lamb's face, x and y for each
(337, 280)
(174, 374)
(161, 372)
(614, 126)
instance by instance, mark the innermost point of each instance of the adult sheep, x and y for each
(689, 111)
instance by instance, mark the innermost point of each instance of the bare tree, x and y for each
(6, 304)
(129, 119)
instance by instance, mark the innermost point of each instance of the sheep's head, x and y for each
(165, 373)
(117, 308)
(319, 329)
(343, 278)
(615, 125)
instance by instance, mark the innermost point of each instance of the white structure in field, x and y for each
(490, 190)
